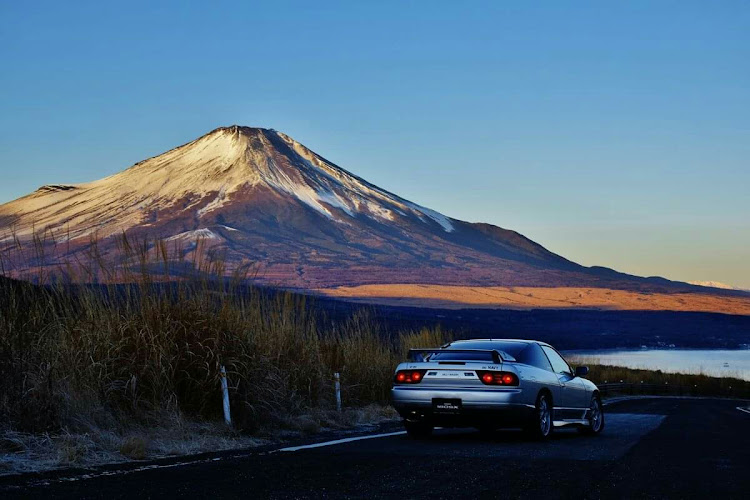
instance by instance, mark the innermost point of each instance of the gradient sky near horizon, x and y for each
(613, 133)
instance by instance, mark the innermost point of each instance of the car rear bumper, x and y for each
(499, 408)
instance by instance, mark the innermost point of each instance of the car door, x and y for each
(536, 372)
(573, 397)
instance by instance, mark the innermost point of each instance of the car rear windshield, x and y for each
(508, 350)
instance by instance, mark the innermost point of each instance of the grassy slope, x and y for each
(97, 374)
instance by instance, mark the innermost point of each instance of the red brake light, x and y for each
(409, 376)
(498, 378)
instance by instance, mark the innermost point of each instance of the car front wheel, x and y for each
(596, 417)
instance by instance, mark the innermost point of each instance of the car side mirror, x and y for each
(582, 371)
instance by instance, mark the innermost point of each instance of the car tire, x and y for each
(540, 427)
(418, 430)
(596, 417)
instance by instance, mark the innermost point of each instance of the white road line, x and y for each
(746, 410)
(339, 441)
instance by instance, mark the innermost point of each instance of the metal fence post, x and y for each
(337, 378)
(225, 395)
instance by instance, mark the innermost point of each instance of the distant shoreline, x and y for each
(708, 362)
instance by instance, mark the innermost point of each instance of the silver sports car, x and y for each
(490, 384)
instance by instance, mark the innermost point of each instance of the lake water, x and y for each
(714, 362)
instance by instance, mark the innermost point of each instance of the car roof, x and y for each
(525, 341)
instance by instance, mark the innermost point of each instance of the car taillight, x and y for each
(498, 378)
(409, 376)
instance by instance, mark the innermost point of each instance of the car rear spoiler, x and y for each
(497, 356)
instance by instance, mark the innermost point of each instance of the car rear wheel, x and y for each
(596, 417)
(540, 426)
(418, 430)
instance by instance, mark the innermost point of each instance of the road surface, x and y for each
(651, 448)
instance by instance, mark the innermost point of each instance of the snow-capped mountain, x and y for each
(261, 196)
(201, 177)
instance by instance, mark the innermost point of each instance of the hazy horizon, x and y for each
(616, 135)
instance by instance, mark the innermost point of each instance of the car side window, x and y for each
(533, 356)
(559, 365)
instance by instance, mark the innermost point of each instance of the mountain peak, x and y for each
(227, 167)
(241, 130)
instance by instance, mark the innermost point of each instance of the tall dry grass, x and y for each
(131, 337)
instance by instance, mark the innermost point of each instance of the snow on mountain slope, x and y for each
(203, 176)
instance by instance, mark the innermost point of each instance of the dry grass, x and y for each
(446, 296)
(93, 368)
(134, 447)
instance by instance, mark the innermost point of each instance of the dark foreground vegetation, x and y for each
(131, 353)
(139, 351)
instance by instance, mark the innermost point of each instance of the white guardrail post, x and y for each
(337, 378)
(225, 395)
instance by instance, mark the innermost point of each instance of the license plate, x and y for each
(446, 405)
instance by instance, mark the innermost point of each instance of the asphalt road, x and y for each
(652, 448)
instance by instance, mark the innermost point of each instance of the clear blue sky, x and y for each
(614, 133)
